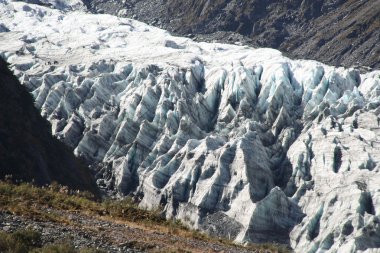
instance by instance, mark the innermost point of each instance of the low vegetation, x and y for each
(58, 197)
(34, 202)
(23, 241)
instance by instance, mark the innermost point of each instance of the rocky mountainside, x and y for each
(27, 149)
(240, 142)
(338, 32)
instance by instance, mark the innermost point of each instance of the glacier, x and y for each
(240, 142)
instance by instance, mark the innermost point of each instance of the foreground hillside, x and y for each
(51, 220)
(27, 149)
(343, 32)
(242, 143)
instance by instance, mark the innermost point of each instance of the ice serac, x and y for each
(240, 142)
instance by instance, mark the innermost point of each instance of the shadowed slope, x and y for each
(27, 149)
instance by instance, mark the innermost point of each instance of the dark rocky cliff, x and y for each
(27, 149)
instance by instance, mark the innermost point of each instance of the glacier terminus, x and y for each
(240, 142)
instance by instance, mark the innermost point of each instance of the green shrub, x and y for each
(20, 241)
(90, 250)
(29, 241)
(64, 247)
(56, 248)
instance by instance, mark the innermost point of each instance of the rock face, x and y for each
(338, 32)
(239, 142)
(27, 149)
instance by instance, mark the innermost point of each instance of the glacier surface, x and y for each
(240, 142)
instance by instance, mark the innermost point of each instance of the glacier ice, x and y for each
(239, 142)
